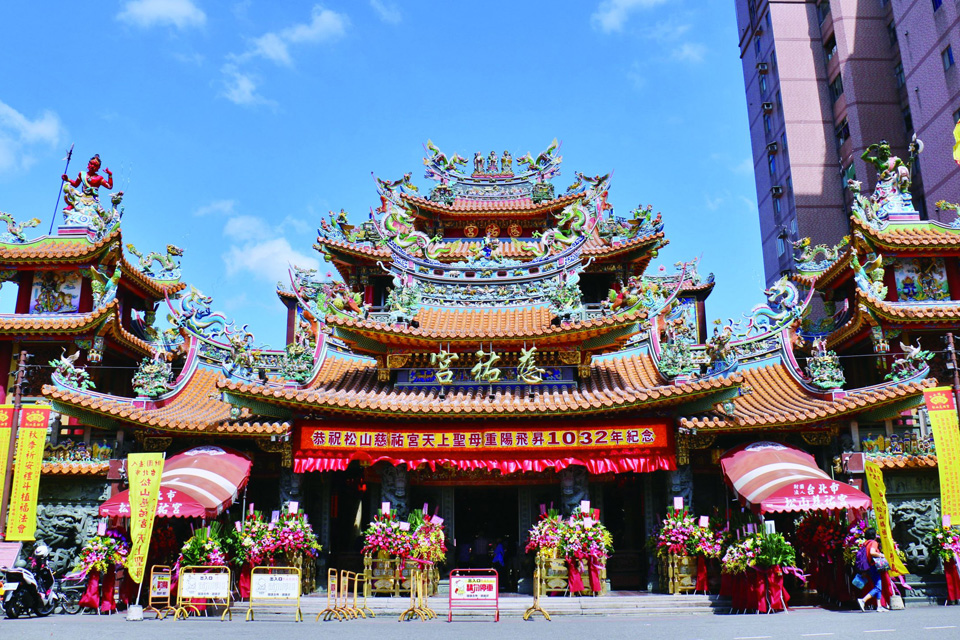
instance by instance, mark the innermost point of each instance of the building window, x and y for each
(936, 4)
(767, 18)
(779, 102)
(836, 88)
(898, 72)
(783, 141)
(823, 10)
(907, 120)
(781, 246)
(956, 116)
(757, 45)
(766, 123)
(830, 48)
(772, 164)
(892, 32)
(947, 57)
(773, 60)
(763, 85)
(850, 173)
(843, 132)
(789, 184)
(776, 206)
(793, 226)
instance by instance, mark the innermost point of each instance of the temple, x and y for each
(494, 345)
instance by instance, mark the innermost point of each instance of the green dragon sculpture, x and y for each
(15, 229)
(398, 227)
(571, 224)
(807, 256)
(167, 262)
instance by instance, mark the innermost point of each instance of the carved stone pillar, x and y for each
(448, 510)
(681, 484)
(325, 496)
(289, 486)
(574, 488)
(393, 488)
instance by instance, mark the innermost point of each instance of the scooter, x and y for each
(28, 592)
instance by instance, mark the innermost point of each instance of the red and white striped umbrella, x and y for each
(198, 483)
(769, 476)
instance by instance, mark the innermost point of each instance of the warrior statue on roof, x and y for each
(478, 163)
(91, 181)
(892, 193)
(506, 164)
(492, 162)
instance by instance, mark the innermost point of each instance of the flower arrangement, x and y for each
(680, 534)
(203, 549)
(101, 553)
(385, 536)
(758, 550)
(585, 538)
(293, 535)
(428, 541)
(709, 542)
(544, 536)
(821, 534)
(944, 542)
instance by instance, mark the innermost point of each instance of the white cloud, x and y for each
(690, 52)
(247, 228)
(325, 25)
(259, 250)
(181, 14)
(744, 167)
(386, 12)
(714, 203)
(241, 88)
(217, 206)
(19, 135)
(297, 225)
(612, 14)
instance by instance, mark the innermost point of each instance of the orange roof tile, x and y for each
(148, 284)
(74, 468)
(71, 323)
(616, 383)
(500, 324)
(778, 399)
(914, 235)
(197, 409)
(73, 249)
(904, 461)
(475, 208)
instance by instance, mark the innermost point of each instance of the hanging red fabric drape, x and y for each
(128, 589)
(574, 579)
(91, 597)
(726, 584)
(244, 581)
(952, 574)
(701, 574)
(107, 585)
(595, 584)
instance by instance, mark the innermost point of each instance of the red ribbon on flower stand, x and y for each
(574, 579)
(243, 583)
(701, 575)
(91, 597)
(952, 574)
(596, 586)
(107, 585)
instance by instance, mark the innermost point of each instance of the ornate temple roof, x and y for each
(777, 399)
(351, 386)
(196, 408)
(56, 249)
(501, 325)
(484, 208)
(56, 323)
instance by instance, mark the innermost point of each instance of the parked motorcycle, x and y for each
(27, 591)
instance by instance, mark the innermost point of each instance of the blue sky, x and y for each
(233, 127)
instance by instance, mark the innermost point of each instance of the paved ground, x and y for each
(915, 623)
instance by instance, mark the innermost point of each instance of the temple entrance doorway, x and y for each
(487, 523)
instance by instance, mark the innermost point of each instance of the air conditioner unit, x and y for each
(767, 107)
(776, 191)
(772, 148)
(762, 67)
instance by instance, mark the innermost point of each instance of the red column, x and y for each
(368, 294)
(953, 278)
(23, 294)
(6, 356)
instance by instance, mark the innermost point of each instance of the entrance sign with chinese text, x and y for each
(31, 438)
(144, 471)
(942, 407)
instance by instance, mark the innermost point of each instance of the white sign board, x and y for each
(278, 586)
(473, 588)
(160, 585)
(205, 585)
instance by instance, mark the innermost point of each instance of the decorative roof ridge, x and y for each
(608, 248)
(610, 321)
(831, 272)
(150, 285)
(84, 248)
(76, 321)
(534, 208)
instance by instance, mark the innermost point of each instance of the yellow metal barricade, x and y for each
(158, 598)
(537, 593)
(209, 586)
(419, 592)
(275, 587)
(332, 609)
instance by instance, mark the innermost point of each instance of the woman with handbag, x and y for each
(877, 563)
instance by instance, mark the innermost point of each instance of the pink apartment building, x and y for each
(824, 80)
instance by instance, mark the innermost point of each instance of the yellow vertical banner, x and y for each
(144, 471)
(31, 438)
(878, 493)
(942, 409)
(6, 428)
